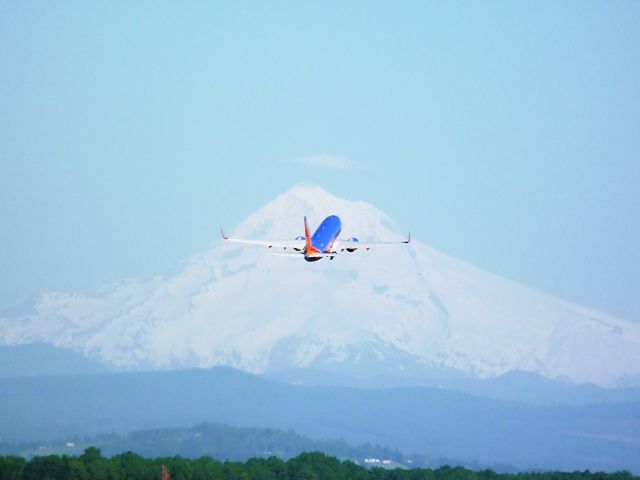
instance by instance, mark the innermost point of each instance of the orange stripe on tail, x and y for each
(309, 246)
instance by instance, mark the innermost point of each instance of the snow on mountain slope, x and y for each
(404, 310)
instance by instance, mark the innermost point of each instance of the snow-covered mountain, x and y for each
(407, 311)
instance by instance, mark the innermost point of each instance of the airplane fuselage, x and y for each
(322, 240)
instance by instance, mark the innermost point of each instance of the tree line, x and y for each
(92, 465)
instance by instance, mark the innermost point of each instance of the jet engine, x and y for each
(352, 240)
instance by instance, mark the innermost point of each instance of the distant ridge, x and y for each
(44, 359)
(517, 386)
(426, 421)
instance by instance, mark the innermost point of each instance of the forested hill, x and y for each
(220, 441)
(91, 465)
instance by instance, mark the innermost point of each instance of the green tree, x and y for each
(50, 467)
(95, 463)
(77, 469)
(11, 468)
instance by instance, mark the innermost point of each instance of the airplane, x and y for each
(323, 243)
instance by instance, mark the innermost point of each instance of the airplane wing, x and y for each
(279, 244)
(350, 245)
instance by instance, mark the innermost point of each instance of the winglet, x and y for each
(408, 240)
(224, 237)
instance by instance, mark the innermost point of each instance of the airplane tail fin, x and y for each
(309, 248)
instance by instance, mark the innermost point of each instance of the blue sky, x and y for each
(502, 133)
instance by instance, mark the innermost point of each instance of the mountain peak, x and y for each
(283, 217)
(400, 312)
(310, 193)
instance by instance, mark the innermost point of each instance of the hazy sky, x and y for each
(506, 133)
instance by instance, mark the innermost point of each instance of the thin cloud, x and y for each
(329, 162)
